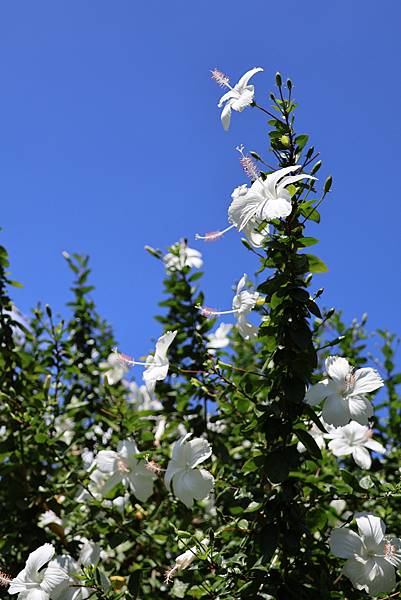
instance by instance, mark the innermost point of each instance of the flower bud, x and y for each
(327, 184)
(330, 313)
(289, 84)
(279, 81)
(316, 167)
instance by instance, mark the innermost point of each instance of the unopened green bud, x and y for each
(319, 292)
(255, 155)
(285, 140)
(289, 84)
(316, 167)
(330, 313)
(153, 251)
(279, 81)
(327, 184)
(272, 96)
(48, 311)
(308, 278)
(310, 151)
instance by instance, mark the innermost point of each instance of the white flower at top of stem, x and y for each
(343, 392)
(183, 561)
(238, 97)
(318, 436)
(371, 556)
(255, 229)
(189, 482)
(114, 369)
(266, 199)
(37, 583)
(122, 466)
(354, 439)
(219, 338)
(182, 256)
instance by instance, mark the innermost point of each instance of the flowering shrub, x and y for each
(243, 457)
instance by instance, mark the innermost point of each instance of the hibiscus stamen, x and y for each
(212, 236)
(392, 553)
(5, 579)
(248, 164)
(211, 312)
(349, 383)
(128, 361)
(220, 78)
(122, 466)
(153, 467)
(169, 574)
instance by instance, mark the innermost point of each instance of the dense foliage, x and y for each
(261, 493)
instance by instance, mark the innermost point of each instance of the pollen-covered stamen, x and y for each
(169, 574)
(206, 311)
(391, 552)
(122, 466)
(153, 467)
(128, 361)
(248, 164)
(349, 383)
(212, 236)
(5, 579)
(220, 78)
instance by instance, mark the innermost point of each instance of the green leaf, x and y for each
(301, 140)
(315, 264)
(307, 440)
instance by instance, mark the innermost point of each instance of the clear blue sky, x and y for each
(110, 139)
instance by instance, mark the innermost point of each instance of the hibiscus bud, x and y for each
(254, 155)
(327, 184)
(272, 96)
(319, 292)
(153, 251)
(316, 167)
(279, 81)
(310, 152)
(289, 84)
(285, 140)
(48, 311)
(330, 313)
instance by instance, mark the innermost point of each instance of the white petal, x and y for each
(366, 380)
(361, 409)
(141, 482)
(358, 570)
(340, 447)
(375, 446)
(127, 448)
(336, 411)
(317, 392)
(194, 484)
(199, 451)
(173, 468)
(345, 543)
(155, 373)
(226, 116)
(273, 178)
(362, 457)
(246, 329)
(37, 559)
(247, 76)
(382, 578)
(244, 100)
(106, 461)
(293, 179)
(227, 96)
(53, 576)
(277, 208)
(163, 344)
(337, 368)
(371, 528)
(111, 482)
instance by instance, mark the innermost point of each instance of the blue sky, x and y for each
(110, 139)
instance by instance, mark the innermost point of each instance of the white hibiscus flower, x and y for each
(354, 439)
(189, 482)
(182, 256)
(123, 467)
(344, 392)
(371, 556)
(37, 583)
(265, 200)
(238, 97)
